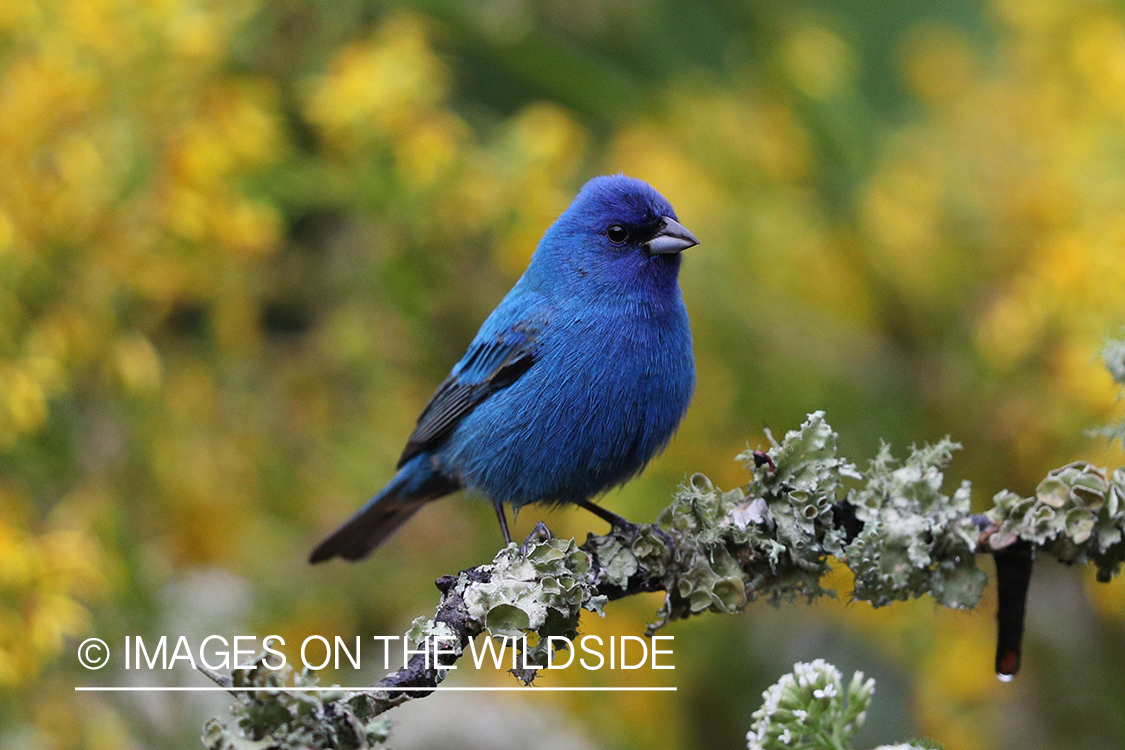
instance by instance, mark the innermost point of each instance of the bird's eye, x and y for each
(617, 234)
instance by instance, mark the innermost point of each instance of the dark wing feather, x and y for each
(488, 366)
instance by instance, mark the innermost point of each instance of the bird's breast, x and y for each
(605, 394)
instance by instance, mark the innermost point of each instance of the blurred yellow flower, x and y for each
(938, 62)
(379, 87)
(428, 152)
(819, 61)
(43, 581)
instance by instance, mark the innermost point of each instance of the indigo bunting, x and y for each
(572, 384)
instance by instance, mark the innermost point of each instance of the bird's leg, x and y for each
(503, 523)
(539, 534)
(612, 518)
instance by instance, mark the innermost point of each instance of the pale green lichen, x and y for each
(801, 494)
(619, 562)
(1113, 356)
(770, 536)
(284, 719)
(1077, 515)
(443, 643)
(916, 539)
(707, 571)
(774, 536)
(541, 589)
(523, 589)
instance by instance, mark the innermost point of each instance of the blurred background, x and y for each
(242, 242)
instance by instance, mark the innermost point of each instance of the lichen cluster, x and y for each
(538, 589)
(906, 538)
(915, 539)
(774, 536)
(1076, 515)
(284, 719)
(769, 537)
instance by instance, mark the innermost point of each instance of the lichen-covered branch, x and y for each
(715, 550)
(293, 719)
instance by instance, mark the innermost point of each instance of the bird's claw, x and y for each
(626, 529)
(668, 539)
(538, 535)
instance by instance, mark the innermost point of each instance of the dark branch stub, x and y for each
(1013, 578)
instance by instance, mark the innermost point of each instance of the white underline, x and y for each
(368, 689)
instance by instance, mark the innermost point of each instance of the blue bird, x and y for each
(573, 383)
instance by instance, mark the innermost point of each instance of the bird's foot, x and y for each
(538, 535)
(668, 539)
(626, 529)
(623, 526)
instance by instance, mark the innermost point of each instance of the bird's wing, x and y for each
(492, 362)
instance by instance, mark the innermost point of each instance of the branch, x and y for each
(715, 551)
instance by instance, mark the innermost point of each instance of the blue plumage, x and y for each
(573, 383)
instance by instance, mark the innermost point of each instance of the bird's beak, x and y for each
(673, 237)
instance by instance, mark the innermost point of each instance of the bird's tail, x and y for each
(415, 485)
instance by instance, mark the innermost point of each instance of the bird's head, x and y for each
(619, 235)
